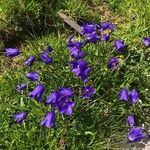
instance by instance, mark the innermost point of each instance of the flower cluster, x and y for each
(136, 134)
(125, 95)
(60, 100)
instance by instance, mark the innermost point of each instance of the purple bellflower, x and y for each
(113, 63)
(49, 120)
(12, 52)
(119, 45)
(130, 120)
(136, 134)
(147, 41)
(80, 69)
(45, 58)
(19, 118)
(66, 107)
(21, 86)
(107, 25)
(61, 100)
(75, 48)
(87, 92)
(34, 76)
(29, 61)
(88, 28)
(77, 53)
(134, 96)
(123, 95)
(37, 92)
(93, 37)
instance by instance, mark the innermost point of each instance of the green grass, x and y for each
(21, 18)
(97, 124)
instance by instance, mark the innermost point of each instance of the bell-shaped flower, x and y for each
(37, 92)
(49, 120)
(87, 92)
(119, 45)
(45, 58)
(21, 86)
(29, 61)
(19, 118)
(34, 76)
(136, 134)
(12, 52)
(123, 95)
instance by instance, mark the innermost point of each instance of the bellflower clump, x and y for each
(49, 120)
(12, 52)
(87, 92)
(34, 76)
(19, 118)
(147, 41)
(119, 45)
(45, 58)
(37, 92)
(21, 86)
(130, 120)
(61, 100)
(130, 96)
(136, 134)
(29, 61)
(80, 69)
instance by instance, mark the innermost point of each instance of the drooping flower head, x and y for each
(21, 86)
(147, 41)
(49, 120)
(88, 28)
(19, 118)
(113, 63)
(66, 107)
(134, 96)
(37, 92)
(80, 69)
(52, 98)
(29, 61)
(87, 92)
(136, 134)
(130, 120)
(77, 53)
(34, 76)
(12, 52)
(119, 45)
(45, 58)
(75, 48)
(93, 37)
(105, 37)
(123, 94)
(71, 43)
